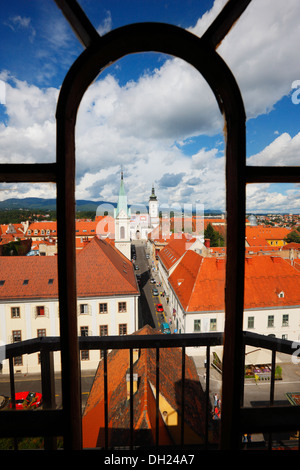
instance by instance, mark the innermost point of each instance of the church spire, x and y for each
(122, 199)
(153, 196)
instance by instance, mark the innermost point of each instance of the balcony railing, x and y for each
(49, 421)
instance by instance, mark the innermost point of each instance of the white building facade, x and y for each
(109, 307)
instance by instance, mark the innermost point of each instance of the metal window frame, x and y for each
(201, 53)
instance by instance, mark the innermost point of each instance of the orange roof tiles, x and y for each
(199, 282)
(267, 233)
(144, 398)
(175, 249)
(101, 270)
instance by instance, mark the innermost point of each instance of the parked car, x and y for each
(155, 292)
(159, 308)
(136, 267)
(147, 256)
(153, 281)
(165, 328)
(25, 400)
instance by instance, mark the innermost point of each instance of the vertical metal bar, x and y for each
(157, 399)
(105, 400)
(131, 398)
(272, 390)
(48, 391)
(71, 383)
(182, 396)
(12, 392)
(243, 382)
(12, 382)
(207, 395)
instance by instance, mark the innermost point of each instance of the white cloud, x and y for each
(146, 124)
(284, 150)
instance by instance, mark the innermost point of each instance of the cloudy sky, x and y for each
(151, 115)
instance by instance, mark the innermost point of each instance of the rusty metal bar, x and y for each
(182, 395)
(105, 400)
(226, 19)
(81, 25)
(157, 400)
(131, 397)
(28, 172)
(182, 44)
(272, 174)
(207, 401)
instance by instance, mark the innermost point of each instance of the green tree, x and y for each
(216, 239)
(293, 237)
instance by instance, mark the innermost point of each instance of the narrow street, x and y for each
(149, 301)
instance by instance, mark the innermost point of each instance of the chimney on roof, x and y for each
(275, 259)
(207, 242)
(220, 263)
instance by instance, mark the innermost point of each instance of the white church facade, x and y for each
(133, 225)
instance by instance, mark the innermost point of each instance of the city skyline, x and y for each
(151, 115)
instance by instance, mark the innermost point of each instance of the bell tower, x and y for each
(153, 209)
(122, 222)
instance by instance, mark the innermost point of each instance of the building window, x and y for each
(15, 312)
(213, 324)
(250, 322)
(84, 355)
(103, 308)
(16, 336)
(84, 331)
(197, 326)
(103, 330)
(40, 311)
(285, 320)
(122, 307)
(122, 329)
(41, 332)
(83, 308)
(18, 361)
(270, 321)
(122, 233)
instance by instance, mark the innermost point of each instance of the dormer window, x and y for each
(2, 282)
(25, 282)
(281, 295)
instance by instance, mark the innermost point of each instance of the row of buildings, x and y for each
(192, 275)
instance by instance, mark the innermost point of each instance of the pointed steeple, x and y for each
(122, 199)
(153, 196)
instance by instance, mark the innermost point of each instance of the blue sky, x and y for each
(152, 115)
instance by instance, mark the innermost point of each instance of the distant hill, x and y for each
(47, 204)
(34, 203)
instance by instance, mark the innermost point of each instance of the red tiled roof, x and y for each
(267, 233)
(292, 246)
(199, 282)
(101, 270)
(175, 249)
(144, 398)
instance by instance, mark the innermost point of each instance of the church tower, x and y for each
(122, 223)
(153, 209)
